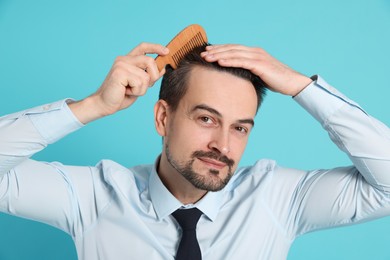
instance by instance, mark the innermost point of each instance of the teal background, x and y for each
(50, 50)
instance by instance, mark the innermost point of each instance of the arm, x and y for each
(344, 195)
(323, 198)
(27, 186)
(51, 193)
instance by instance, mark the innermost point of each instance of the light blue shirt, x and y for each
(116, 213)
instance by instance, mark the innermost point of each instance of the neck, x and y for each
(179, 186)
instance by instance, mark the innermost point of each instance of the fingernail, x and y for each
(166, 50)
(209, 47)
(204, 54)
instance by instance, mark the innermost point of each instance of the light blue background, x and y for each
(50, 50)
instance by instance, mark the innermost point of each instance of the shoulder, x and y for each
(265, 173)
(122, 178)
(117, 174)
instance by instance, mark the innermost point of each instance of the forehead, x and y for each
(225, 92)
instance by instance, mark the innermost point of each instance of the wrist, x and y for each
(87, 110)
(302, 83)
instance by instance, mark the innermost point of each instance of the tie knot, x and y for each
(187, 218)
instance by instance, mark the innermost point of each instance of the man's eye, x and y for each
(206, 119)
(241, 129)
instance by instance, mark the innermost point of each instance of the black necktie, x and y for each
(188, 247)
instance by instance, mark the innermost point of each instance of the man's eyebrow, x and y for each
(217, 113)
(206, 107)
(247, 121)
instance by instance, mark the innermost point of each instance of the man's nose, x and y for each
(220, 142)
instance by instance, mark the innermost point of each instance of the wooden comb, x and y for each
(186, 40)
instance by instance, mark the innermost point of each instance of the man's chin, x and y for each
(210, 180)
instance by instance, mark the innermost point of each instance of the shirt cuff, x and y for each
(54, 121)
(322, 100)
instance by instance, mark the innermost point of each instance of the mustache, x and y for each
(214, 155)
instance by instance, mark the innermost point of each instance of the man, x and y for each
(253, 212)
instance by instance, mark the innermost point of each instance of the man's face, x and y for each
(207, 134)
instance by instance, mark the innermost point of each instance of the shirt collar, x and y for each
(165, 203)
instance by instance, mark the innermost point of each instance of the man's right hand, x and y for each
(129, 78)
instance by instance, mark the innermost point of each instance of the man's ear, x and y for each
(161, 110)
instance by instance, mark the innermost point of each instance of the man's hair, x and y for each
(175, 82)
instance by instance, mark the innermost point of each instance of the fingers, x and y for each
(149, 48)
(232, 48)
(231, 55)
(136, 73)
(147, 63)
(230, 51)
(136, 83)
(130, 77)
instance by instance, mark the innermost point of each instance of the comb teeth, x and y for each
(185, 41)
(195, 41)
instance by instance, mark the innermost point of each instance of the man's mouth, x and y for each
(213, 159)
(212, 163)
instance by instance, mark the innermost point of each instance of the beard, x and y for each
(209, 182)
